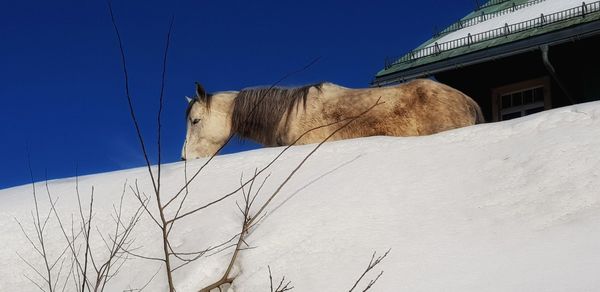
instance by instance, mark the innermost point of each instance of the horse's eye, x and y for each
(195, 121)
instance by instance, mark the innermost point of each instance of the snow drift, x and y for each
(511, 206)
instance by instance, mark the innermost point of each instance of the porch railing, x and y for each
(507, 29)
(483, 17)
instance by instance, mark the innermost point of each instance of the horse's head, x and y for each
(208, 123)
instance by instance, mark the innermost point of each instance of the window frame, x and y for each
(498, 92)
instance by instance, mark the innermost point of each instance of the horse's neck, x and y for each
(223, 102)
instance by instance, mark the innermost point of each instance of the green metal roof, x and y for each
(408, 62)
(485, 10)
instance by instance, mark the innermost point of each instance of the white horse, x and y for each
(279, 116)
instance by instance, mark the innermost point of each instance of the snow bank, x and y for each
(511, 206)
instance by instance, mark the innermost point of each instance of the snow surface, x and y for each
(510, 206)
(524, 14)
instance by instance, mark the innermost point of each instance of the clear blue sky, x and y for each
(61, 85)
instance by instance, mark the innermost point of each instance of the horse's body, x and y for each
(276, 116)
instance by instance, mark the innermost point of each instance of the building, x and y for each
(513, 57)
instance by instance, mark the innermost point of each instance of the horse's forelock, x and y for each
(190, 104)
(205, 99)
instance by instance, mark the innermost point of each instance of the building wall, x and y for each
(577, 65)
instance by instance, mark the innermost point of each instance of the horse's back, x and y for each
(437, 103)
(418, 107)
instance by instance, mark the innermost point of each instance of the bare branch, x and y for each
(281, 287)
(28, 238)
(160, 103)
(32, 267)
(86, 227)
(143, 203)
(145, 285)
(128, 95)
(372, 282)
(155, 182)
(58, 274)
(34, 283)
(40, 229)
(196, 255)
(374, 262)
(70, 242)
(143, 257)
(187, 192)
(238, 247)
(69, 276)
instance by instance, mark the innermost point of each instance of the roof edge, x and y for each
(582, 31)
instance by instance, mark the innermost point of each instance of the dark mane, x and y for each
(257, 112)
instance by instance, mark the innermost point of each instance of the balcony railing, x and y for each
(483, 17)
(507, 29)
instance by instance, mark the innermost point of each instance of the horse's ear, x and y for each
(200, 93)
(188, 99)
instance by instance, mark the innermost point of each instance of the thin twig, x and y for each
(86, 231)
(160, 104)
(281, 287)
(39, 229)
(70, 242)
(374, 262)
(155, 182)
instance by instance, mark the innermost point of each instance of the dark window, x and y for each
(520, 99)
(528, 96)
(517, 99)
(506, 101)
(522, 103)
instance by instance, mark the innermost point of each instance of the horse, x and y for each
(277, 116)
